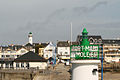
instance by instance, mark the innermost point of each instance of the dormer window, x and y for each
(23, 51)
(91, 40)
(100, 41)
(113, 41)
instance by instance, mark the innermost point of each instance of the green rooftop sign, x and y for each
(84, 50)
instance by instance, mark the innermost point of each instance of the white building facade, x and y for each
(12, 54)
(64, 52)
(111, 50)
(26, 61)
(49, 51)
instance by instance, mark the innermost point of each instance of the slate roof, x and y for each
(41, 45)
(75, 43)
(34, 44)
(44, 44)
(65, 43)
(111, 41)
(89, 36)
(4, 47)
(28, 44)
(30, 57)
(15, 47)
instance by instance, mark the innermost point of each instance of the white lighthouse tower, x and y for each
(30, 38)
(85, 59)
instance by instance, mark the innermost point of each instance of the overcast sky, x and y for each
(49, 20)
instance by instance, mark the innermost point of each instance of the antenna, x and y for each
(71, 32)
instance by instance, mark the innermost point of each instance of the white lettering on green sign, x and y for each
(91, 51)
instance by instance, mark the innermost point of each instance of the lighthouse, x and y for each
(30, 38)
(84, 59)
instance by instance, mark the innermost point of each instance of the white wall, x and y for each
(22, 51)
(49, 51)
(112, 59)
(40, 65)
(14, 54)
(63, 50)
(83, 69)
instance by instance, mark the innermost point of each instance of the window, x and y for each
(2, 56)
(65, 48)
(7, 55)
(91, 40)
(27, 65)
(40, 51)
(100, 41)
(60, 53)
(46, 56)
(17, 65)
(108, 56)
(112, 56)
(66, 52)
(9, 51)
(12, 56)
(22, 64)
(106, 48)
(115, 44)
(11, 65)
(67, 55)
(18, 56)
(6, 65)
(96, 41)
(23, 51)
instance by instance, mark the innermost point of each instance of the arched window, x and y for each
(91, 40)
(96, 40)
(100, 41)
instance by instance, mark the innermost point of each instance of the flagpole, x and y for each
(71, 32)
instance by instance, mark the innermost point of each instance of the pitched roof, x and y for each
(30, 57)
(89, 36)
(34, 44)
(22, 48)
(4, 47)
(28, 44)
(75, 43)
(66, 43)
(15, 47)
(111, 41)
(41, 45)
(44, 44)
(63, 44)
